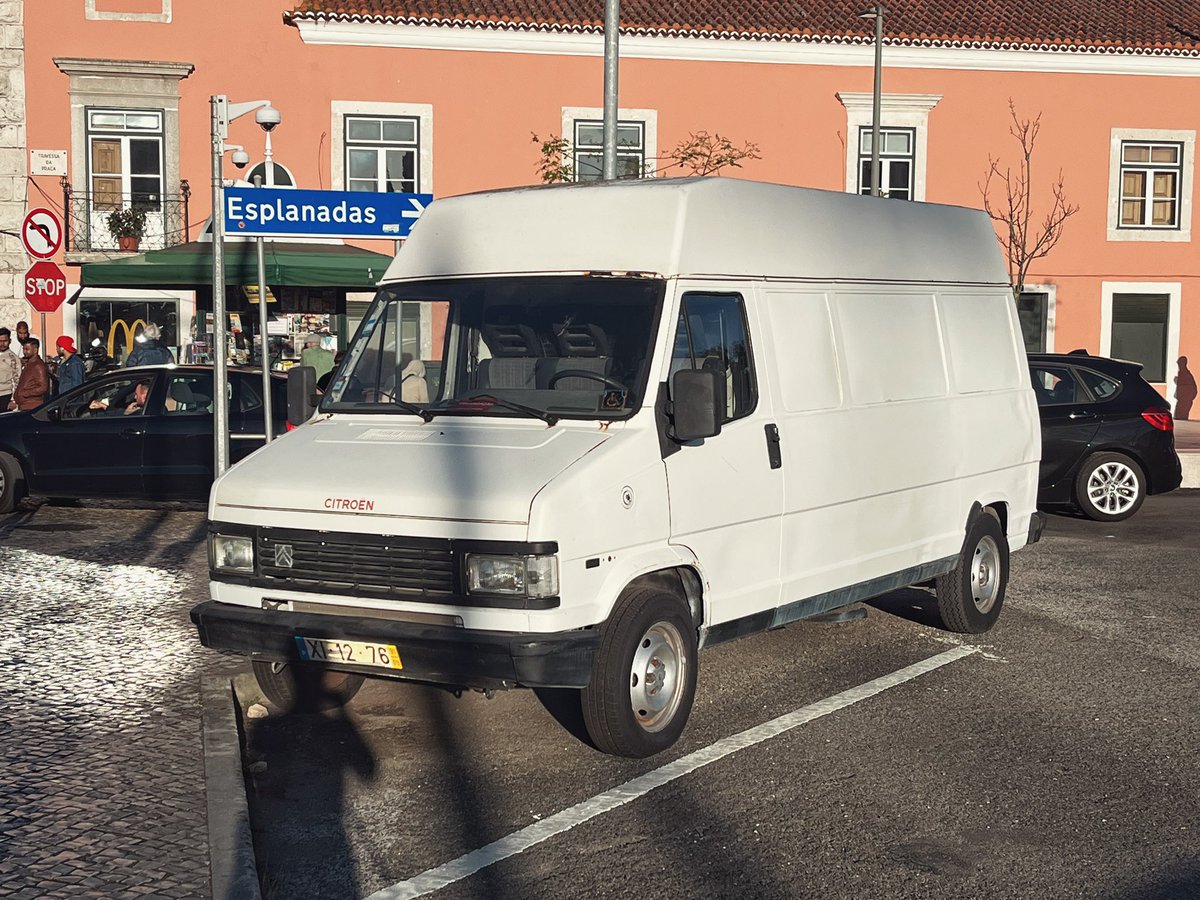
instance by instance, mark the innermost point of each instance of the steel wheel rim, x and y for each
(657, 676)
(985, 574)
(1112, 488)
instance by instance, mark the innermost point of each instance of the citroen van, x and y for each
(587, 431)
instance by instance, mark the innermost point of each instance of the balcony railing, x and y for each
(86, 218)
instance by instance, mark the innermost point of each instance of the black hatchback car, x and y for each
(136, 433)
(1107, 436)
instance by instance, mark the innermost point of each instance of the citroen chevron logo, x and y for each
(283, 555)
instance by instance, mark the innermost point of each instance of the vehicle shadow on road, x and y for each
(917, 604)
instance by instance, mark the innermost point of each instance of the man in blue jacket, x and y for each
(70, 367)
(150, 351)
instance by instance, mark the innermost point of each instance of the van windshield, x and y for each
(573, 347)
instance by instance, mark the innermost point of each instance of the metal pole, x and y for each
(220, 374)
(45, 339)
(262, 330)
(876, 190)
(612, 23)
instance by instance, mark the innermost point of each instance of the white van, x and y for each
(586, 431)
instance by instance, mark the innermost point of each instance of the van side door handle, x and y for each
(773, 452)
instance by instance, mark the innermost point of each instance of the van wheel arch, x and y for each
(683, 581)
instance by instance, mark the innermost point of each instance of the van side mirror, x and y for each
(697, 404)
(301, 391)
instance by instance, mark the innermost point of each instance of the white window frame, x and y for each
(1051, 292)
(647, 118)
(895, 111)
(885, 158)
(422, 112)
(1120, 136)
(1174, 292)
(124, 136)
(90, 12)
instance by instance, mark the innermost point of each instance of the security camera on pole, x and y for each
(224, 112)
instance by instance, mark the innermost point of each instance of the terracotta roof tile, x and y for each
(1154, 26)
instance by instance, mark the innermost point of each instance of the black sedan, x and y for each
(136, 433)
(1108, 438)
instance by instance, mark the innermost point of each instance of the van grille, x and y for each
(404, 568)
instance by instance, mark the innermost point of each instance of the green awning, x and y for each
(287, 264)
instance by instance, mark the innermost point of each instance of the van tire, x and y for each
(1115, 482)
(12, 483)
(299, 687)
(650, 633)
(971, 595)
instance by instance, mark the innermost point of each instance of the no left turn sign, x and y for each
(42, 233)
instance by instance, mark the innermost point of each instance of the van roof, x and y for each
(712, 226)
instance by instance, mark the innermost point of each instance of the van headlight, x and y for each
(513, 576)
(231, 553)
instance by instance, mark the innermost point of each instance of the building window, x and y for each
(117, 324)
(899, 114)
(897, 159)
(1139, 332)
(588, 148)
(382, 153)
(1032, 309)
(125, 158)
(381, 146)
(1150, 182)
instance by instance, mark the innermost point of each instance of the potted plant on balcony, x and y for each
(127, 225)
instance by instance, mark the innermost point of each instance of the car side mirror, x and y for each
(697, 404)
(54, 413)
(301, 391)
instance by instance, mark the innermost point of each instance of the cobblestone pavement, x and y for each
(101, 757)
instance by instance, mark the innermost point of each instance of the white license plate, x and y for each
(359, 653)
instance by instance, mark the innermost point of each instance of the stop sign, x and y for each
(45, 286)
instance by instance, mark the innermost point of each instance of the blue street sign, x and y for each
(271, 212)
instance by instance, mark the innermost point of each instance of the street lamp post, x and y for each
(612, 25)
(877, 13)
(224, 112)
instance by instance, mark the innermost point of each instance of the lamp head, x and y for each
(267, 118)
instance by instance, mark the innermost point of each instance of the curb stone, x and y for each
(230, 845)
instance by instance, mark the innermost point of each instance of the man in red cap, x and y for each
(70, 366)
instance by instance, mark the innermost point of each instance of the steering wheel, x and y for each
(584, 373)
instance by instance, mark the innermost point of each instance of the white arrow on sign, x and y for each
(413, 213)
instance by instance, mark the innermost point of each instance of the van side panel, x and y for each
(885, 455)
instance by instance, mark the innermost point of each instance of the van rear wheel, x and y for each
(300, 687)
(644, 676)
(970, 596)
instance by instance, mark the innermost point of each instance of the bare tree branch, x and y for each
(1023, 244)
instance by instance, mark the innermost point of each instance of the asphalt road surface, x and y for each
(1060, 758)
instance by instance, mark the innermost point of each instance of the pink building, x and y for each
(420, 95)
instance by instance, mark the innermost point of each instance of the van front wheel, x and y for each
(644, 675)
(970, 595)
(299, 687)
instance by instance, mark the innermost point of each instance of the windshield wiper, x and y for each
(425, 414)
(548, 418)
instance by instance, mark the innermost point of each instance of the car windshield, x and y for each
(547, 347)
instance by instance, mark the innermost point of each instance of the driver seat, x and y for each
(583, 347)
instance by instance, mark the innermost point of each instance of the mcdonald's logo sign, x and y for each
(130, 331)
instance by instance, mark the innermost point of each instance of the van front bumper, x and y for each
(438, 654)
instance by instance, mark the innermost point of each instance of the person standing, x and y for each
(34, 382)
(23, 335)
(316, 356)
(10, 369)
(150, 351)
(70, 366)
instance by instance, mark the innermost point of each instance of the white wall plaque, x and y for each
(47, 162)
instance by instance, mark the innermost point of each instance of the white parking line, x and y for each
(519, 841)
